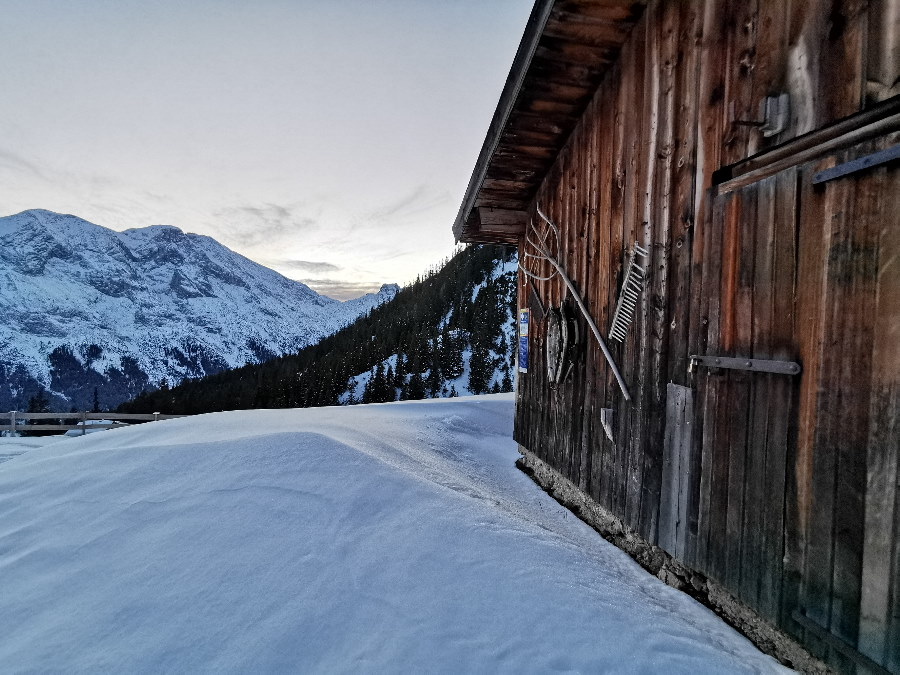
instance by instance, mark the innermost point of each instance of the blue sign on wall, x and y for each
(523, 340)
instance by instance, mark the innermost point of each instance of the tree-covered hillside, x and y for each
(449, 333)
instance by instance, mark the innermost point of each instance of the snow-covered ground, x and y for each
(396, 537)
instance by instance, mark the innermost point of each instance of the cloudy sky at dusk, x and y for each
(331, 140)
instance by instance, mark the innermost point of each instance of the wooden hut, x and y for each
(750, 148)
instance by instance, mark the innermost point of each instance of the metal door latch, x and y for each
(759, 365)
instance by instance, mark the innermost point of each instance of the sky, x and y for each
(331, 140)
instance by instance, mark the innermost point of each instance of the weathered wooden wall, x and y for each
(786, 489)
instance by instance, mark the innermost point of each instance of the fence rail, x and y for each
(19, 421)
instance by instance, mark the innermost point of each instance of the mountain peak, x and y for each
(389, 290)
(90, 307)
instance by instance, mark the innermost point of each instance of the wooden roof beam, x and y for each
(502, 218)
(489, 225)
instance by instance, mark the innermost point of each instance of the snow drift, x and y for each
(369, 538)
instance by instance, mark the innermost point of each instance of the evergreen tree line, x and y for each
(426, 328)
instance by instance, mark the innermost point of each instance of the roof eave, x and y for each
(534, 29)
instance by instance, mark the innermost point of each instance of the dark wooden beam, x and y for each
(878, 120)
(491, 218)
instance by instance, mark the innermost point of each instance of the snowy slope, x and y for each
(379, 538)
(500, 354)
(138, 306)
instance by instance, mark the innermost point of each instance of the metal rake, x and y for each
(628, 296)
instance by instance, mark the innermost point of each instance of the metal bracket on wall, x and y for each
(775, 111)
(759, 365)
(859, 164)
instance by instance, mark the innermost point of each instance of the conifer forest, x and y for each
(448, 333)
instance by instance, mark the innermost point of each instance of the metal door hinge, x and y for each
(759, 365)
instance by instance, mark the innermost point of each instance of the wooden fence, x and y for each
(19, 421)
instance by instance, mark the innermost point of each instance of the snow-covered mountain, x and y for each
(450, 333)
(86, 307)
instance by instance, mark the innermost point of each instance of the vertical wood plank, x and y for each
(604, 151)
(819, 562)
(756, 489)
(688, 480)
(643, 148)
(737, 340)
(610, 481)
(705, 246)
(677, 480)
(781, 409)
(659, 226)
(879, 604)
(681, 279)
(588, 257)
(852, 268)
(713, 504)
(668, 504)
(683, 190)
(628, 465)
(813, 241)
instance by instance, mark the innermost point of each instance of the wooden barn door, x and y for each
(744, 416)
(797, 507)
(843, 583)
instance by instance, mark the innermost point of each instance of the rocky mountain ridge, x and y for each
(86, 307)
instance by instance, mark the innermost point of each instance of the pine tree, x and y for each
(351, 389)
(479, 370)
(95, 405)
(507, 384)
(416, 387)
(40, 402)
(400, 372)
(451, 355)
(389, 391)
(369, 389)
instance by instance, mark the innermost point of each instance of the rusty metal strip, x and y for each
(758, 365)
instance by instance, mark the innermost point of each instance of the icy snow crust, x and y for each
(392, 537)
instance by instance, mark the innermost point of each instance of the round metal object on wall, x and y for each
(554, 345)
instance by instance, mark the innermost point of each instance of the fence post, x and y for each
(84, 423)
(12, 424)
(156, 417)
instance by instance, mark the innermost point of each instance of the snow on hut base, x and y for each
(658, 562)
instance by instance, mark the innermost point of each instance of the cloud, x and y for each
(306, 266)
(252, 224)
(11, 160)
(421, 200)
(342, 290)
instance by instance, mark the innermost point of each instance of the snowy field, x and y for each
(383, 538)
